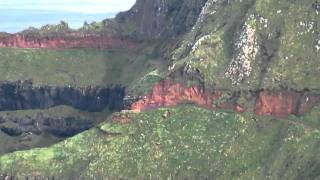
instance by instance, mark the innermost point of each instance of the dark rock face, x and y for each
(56, 126)
(23, 95)
(162, 18)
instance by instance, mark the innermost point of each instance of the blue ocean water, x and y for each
(17, 20)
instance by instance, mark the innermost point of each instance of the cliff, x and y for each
(147, 20)
(236, 96)
(156, 19)
(278, 104)
(225, 53)
(170, 94)
(23, 95)
(72, 40)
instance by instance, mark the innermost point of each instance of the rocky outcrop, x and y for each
(71, 40)
(277, 104)
(167, 94)
(23, 95)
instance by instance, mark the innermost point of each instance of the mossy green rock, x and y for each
(284, 51)
(189, 143)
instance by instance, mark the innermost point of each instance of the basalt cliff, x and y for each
(253, 50)
(202, 89)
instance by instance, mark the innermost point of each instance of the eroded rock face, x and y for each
(23, 95)
(277, 104)
(284, 103)
(167, 94)
(74, 40)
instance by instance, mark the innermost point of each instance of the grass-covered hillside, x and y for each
(178, 143)
(74, 67)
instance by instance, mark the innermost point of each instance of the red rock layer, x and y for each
(284, 103)
(277, 104)
(168, 94)
(73, 40)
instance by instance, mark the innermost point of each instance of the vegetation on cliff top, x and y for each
(74, 67)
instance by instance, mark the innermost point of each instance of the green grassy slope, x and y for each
(75, 67)
(189, 143)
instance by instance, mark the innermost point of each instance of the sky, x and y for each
(83, 6)
(17, 15)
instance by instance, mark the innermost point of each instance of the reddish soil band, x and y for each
(277, 104)
(71, 40)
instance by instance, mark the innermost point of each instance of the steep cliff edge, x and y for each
(23, 95)
(146, 20)
(155, 19)
(169, 94)
(72, 40)
(278, 104)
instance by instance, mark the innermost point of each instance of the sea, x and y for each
(13, 21)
